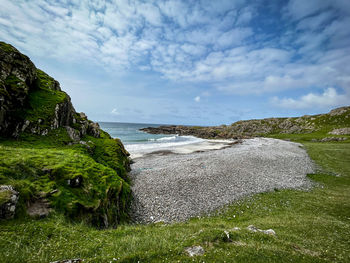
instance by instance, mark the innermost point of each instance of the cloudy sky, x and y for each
(188, 62)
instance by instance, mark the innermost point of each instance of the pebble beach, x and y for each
(177, 184)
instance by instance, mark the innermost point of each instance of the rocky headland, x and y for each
(336, 121)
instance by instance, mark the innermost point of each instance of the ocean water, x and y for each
(137, 142)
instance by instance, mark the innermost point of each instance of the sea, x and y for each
(137, 142)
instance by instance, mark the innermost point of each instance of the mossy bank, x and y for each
(56, 159)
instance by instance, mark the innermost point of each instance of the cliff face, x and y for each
(51, 157)
(337, 118)
(31, 101)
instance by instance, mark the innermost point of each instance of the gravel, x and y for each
(174, 187)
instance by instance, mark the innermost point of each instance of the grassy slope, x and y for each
(311, 227)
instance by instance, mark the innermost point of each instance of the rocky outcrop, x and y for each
(19, 78)
(249, 128)
(8, 201)
(17, 75)
(341, 131)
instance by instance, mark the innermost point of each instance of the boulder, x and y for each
(8, 201)
(39, 208)
(194, 251)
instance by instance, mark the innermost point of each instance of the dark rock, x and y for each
(39, 208)
(8, 201)
(63, 114)
(75, 182)
(18, 78)
(94, 129)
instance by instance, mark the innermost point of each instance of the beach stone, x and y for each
(194, 251)
(8, 201)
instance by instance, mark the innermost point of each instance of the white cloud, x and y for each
(197, 99)
(329, 98)
(204, 42)
(115, 112)
(233, 37)
(151, 13)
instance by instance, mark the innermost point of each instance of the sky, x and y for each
(188, 62)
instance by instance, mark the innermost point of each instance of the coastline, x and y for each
(187, 147)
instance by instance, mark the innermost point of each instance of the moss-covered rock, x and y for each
(54, 156)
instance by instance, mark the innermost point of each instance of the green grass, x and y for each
(36, 165)
(43, 100)
(311, 226)
(6, 47)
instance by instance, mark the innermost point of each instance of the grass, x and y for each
(311, 226)
(37, 165)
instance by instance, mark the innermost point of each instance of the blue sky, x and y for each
(188, 62)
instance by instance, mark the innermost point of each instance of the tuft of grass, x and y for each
(310, 226)
(6, 47)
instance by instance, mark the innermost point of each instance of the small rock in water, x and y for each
(194, 251)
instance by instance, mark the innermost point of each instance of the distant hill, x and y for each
(322, 124)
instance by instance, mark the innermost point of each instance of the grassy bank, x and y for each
(39, 167)
(310, 226)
